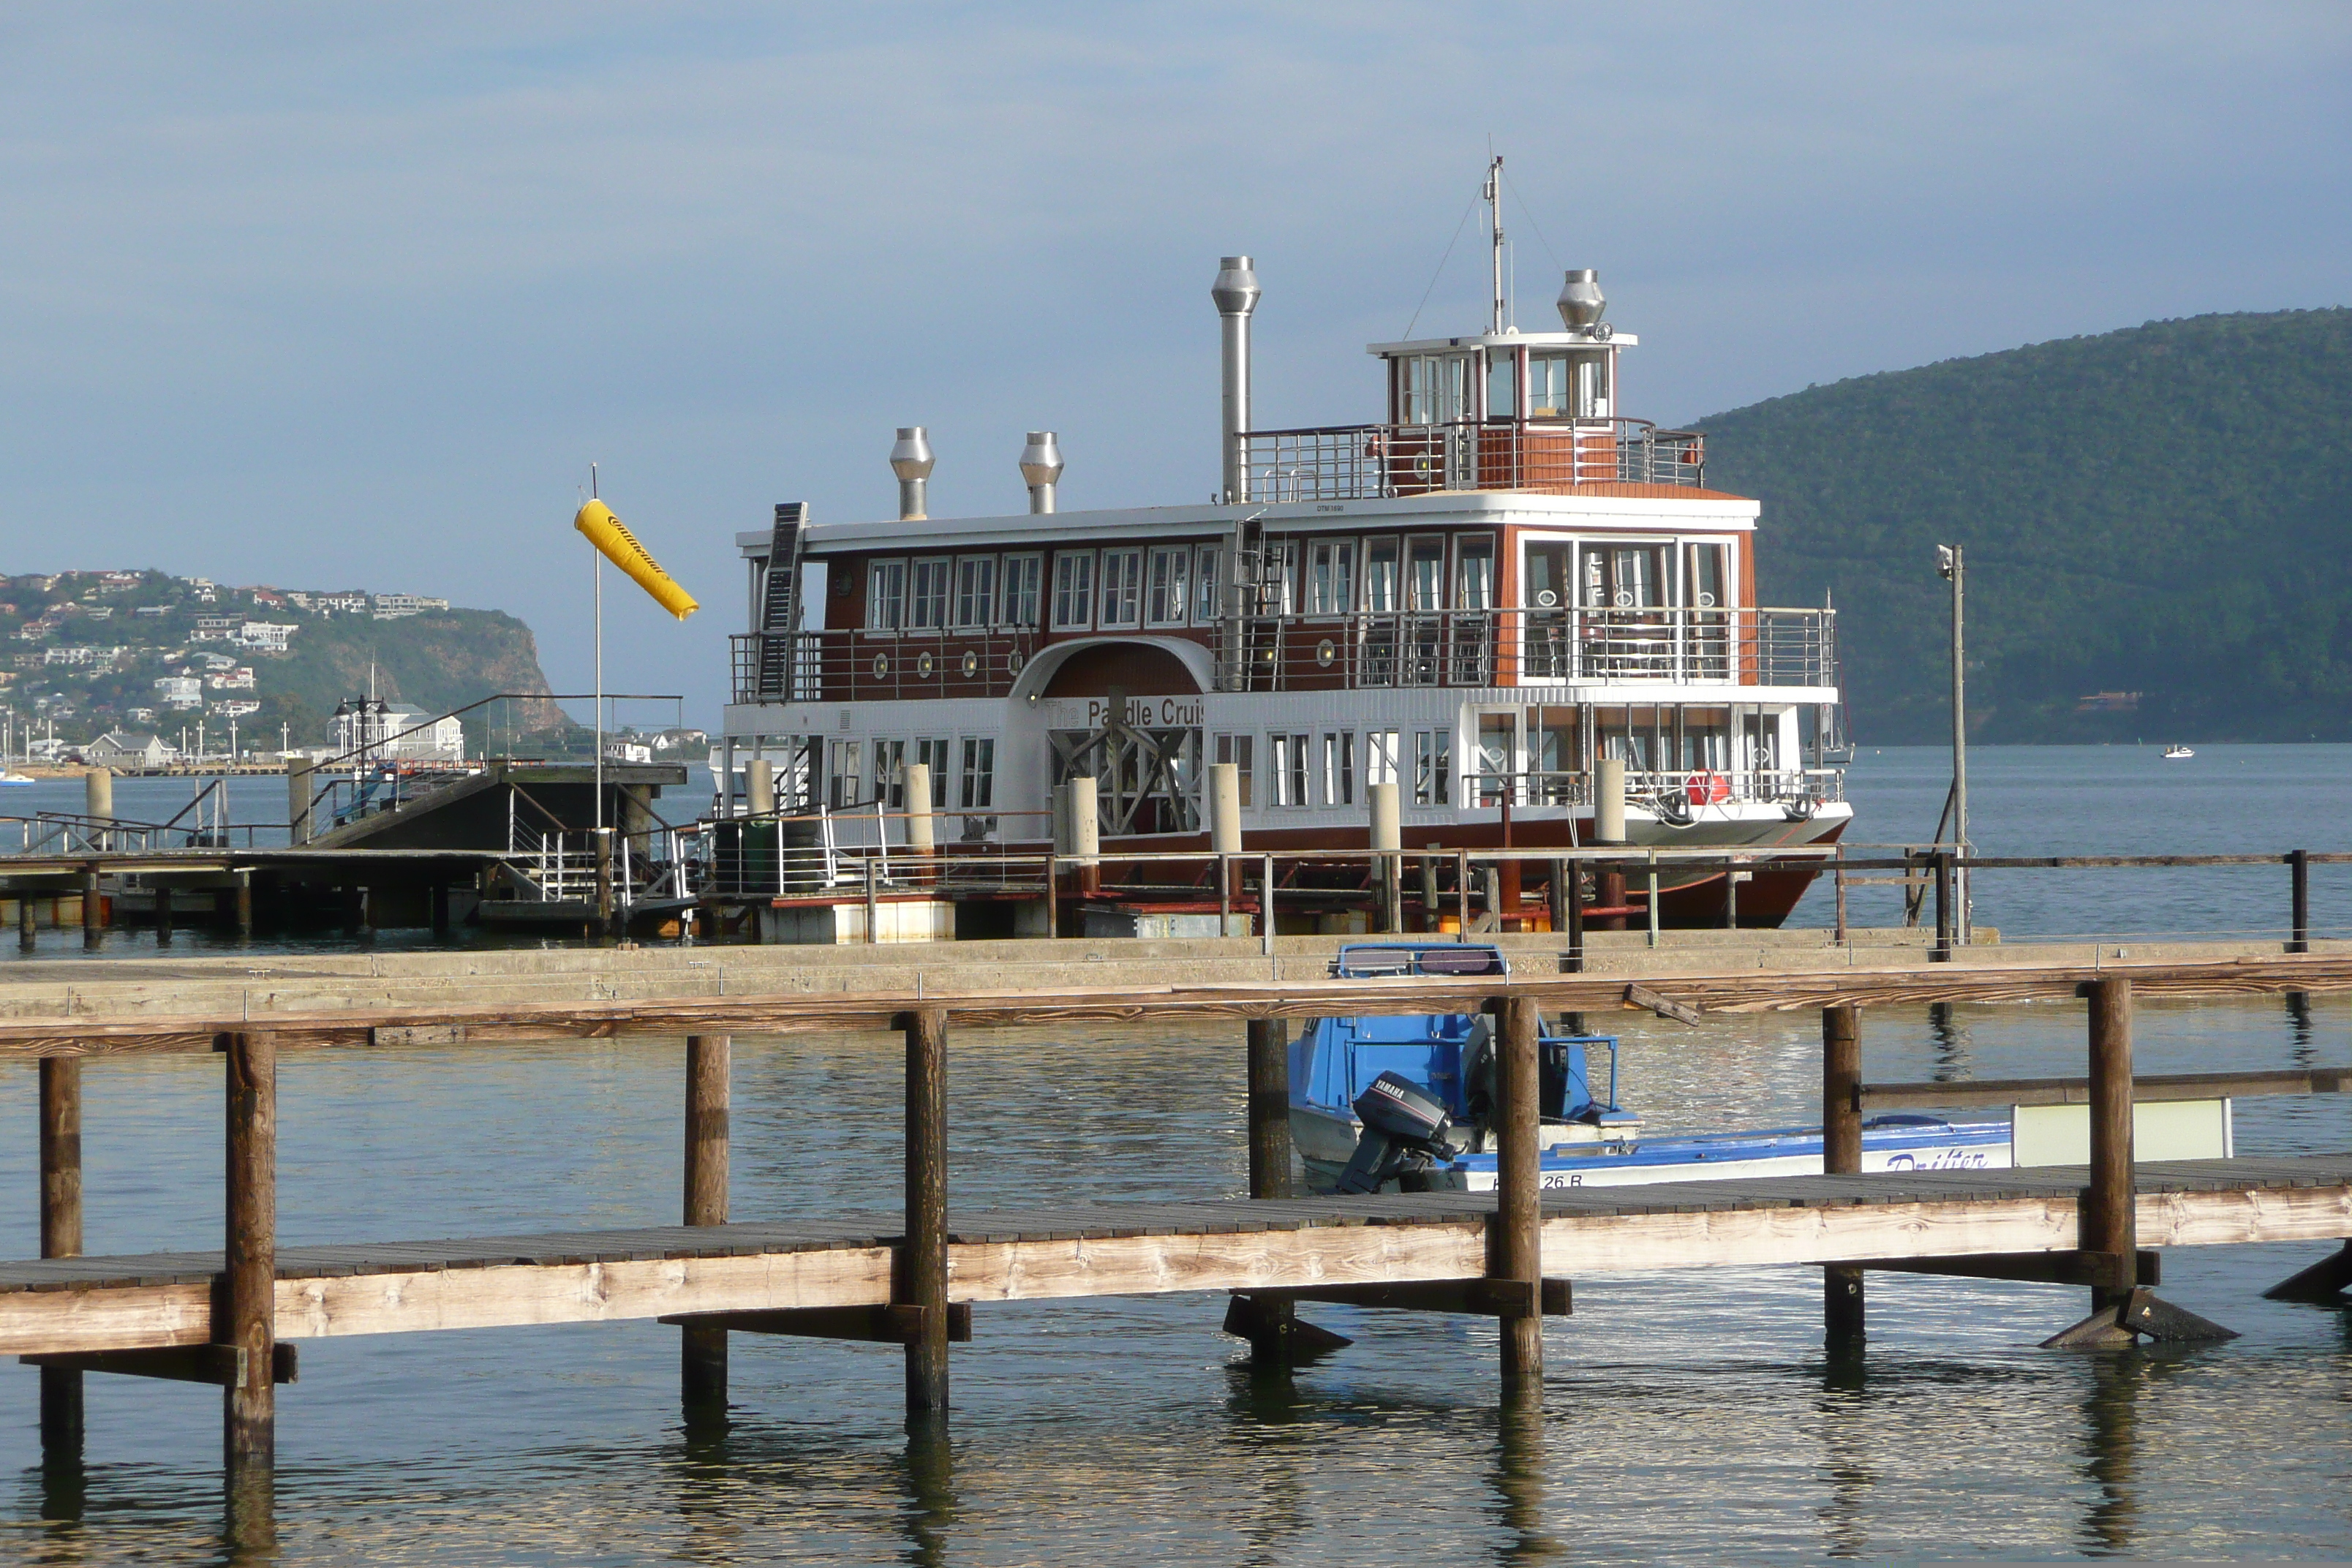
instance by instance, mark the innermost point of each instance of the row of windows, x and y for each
(934, 593)
(865, 773)
(1319, 767)
(1163, 586)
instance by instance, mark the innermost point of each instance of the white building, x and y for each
(236, 678)
(392, 606)
(397, 732)
(237, 709)
(266, 636)
(181, 692)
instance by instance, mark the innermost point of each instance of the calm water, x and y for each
(1685, 1416)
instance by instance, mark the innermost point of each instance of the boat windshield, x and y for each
(1365, 961)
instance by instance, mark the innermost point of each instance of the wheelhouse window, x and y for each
(932, 753)
(847, 774)
(927, 601)
(1122, 588)
(1548, 387)
(886, 595)
(1330, 577)
(1431, 388)
(890, 773)
(1545, 585)
(1287, 758)
(1208, 583)
(975, 594)
(1380, 756)
(1501, 384)
(1073, 590)
(1625, 576)
(1166, 587)
(1703, 576)
(1340, 767)
(1018, 592)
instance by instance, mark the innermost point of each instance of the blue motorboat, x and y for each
(1442, 1064)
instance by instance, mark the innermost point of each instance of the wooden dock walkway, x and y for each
(916, 1277)
(155, 1299)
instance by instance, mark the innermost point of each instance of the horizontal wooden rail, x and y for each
(2077, 1090)
(804, 1013)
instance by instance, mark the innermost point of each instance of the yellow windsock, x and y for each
(620, 547)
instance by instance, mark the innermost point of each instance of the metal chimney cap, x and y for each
(1235, 290)
(1041, 459)
(911, 458)
(1581, 304)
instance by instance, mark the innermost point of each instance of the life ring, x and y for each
(1708, 789)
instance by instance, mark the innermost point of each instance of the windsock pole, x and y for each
(597, 571)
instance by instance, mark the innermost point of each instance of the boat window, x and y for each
(1553, 764)
(1380, 575)
(1208, 582)
(927, 598)
(1287, 761)
(1019, 591)
(1433, 388)
(1282, 555)
(1235, 749)
(1073, 590)
(1426, 574)
(1165, 592)
(886, 595)
(1545, 585)
(1627, 735)
(1703, 581)
(890, 773)
(1380, 756)
(1625, 577)
(1592, 388)
(1763, 736)
(1340, 767)
(1495, 770)
(975, 602)
(1331, 577)
(1122, 587)
(979, 773)
(1548, 387)
(932, 753)
(1501, 384)
(1704, 744)
(847, 775)
(1474, 574)
(1433, 770)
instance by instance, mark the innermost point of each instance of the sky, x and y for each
(338, 295)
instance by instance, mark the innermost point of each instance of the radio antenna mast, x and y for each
(1494, 195)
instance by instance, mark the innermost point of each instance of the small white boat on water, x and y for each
(2176, 753)
(10, 776)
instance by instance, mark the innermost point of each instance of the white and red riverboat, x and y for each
(1501, 582)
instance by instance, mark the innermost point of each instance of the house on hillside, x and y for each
(130, 750)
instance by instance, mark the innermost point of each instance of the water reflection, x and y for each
(1948, 1042)
(927, 1475)
(1520, 1466)
(1848, 1437)
(1274, 1431)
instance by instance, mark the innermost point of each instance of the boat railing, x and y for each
(1672, 792)
(1359, 462)
(1496, 647)
(848, 665)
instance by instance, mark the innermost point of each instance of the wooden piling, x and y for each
(163, 913)
(2108, 1224)
(1573, 960)
(1842, 1315)
(2299, 876)
(922, 1275)
(604, 896)
(244, 1319)
(25, 920)
(1609, 893)
(244, 903)
(1429, 895)
(702, 1350)
(60, 1157)
(440, 910)
(1269, 1110)
(1515, 1250)
(93, 907)
(1462, 894)
(1839, 935)
(1944, 911)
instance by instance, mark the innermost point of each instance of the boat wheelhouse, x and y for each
(1479, 599)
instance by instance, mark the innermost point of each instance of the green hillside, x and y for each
(99, 650)
(2162, 510)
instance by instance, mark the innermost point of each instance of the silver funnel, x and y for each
(1040, 467)
(911, 459)
(1235, 293)
(1581, 304)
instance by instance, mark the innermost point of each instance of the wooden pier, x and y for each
(923, 1277)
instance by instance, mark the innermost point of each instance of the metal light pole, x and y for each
(1949, 561)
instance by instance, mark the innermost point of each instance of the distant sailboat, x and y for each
(2176, 753)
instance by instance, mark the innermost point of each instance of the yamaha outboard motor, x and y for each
(1402, 1122)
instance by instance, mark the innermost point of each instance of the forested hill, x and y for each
(2164, 510)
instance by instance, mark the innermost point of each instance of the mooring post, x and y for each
(923, 1258)
(2108, 1224)
(244, 903)
(1557, 896)
(702, 1350)
(93, 907)
(1572, 962)
(1515, 1247)
(873, 901)
(1842, 1292)
(1429, 921)
(61, 1418)
(246, 1320)
(1461, 895)
(1943, 950)
(605, 900)
(2299, 873)
(163, 914)
(1840, 935)
(1269, 1323)
(25, 938)
(441, 911)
